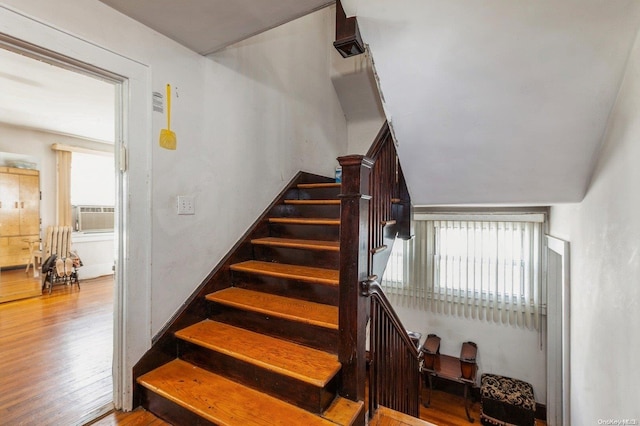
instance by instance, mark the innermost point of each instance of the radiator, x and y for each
(93, 218)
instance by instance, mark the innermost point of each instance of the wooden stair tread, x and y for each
(296, 243)
(282, 270)
(306, 220)
(387, 417)
(312, 202)
(222, 401)
(343, 411)
(278, 306)
(286, 358)
(319, 185)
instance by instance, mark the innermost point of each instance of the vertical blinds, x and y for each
(481, 269)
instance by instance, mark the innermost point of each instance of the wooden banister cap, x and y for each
(355, 160)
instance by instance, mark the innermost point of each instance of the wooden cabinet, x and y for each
(9, 196)
(19, 214)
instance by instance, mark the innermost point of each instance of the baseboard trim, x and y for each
(541, 411)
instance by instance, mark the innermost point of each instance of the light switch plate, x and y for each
(186, 204)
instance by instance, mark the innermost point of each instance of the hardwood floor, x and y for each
(138, 417)
(16, 284)
(447, 409)
(56, 355)
(387, 417)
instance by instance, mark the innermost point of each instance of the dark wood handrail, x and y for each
(375, 209)
(394, 379)
(385, 188)
(383, 136)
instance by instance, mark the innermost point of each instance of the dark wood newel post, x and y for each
(354, 269)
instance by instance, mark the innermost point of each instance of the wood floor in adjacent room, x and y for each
(56, 354)
(17, 284)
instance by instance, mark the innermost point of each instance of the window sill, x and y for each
(88, 237)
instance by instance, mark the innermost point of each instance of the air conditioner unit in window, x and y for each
(93, 218)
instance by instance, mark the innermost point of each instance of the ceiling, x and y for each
(206, 26)
(45, 97)
(498, 101)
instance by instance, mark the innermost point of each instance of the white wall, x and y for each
(361, 134)
(604, 233)
(97, 253)
(267, 111)
(246, 120)
(355, 83)
(502, 349)
(37, 144)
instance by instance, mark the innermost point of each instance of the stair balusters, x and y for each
(375, 208)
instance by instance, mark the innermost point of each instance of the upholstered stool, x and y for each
(506, 401)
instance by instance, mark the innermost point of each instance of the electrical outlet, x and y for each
(186, 204)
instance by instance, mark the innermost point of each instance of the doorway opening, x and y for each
(53, 105)
(132, 330)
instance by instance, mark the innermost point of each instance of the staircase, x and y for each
(258, 343)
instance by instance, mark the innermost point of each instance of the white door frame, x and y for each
(132, 300)
(558, 374)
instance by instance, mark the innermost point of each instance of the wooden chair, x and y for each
(468, 371)
(430, 351)
(35, 255)
(468, 364)
(460, 370)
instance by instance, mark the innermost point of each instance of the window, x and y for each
(84, 177)
(92, 192)
(484, 266)
(92, 179)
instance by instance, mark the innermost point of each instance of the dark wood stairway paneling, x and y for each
(261, 345)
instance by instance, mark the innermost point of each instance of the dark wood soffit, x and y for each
(348, 39)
